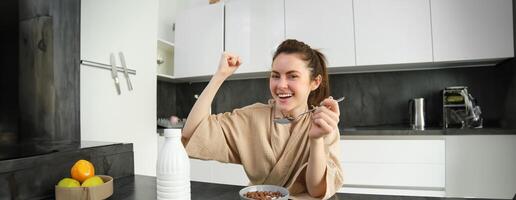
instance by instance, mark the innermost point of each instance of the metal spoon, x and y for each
(288, 120)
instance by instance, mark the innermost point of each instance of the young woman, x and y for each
(302, 156)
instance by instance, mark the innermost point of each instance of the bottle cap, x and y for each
(172, 132)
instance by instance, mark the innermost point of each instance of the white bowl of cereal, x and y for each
(264, 192)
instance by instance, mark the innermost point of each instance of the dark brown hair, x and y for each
(316, 64)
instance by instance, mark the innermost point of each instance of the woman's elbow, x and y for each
(317, 191)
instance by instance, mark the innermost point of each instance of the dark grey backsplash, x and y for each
(178, 99)
(508, 115)
(373, 99)
(166, 99)
(381, 99)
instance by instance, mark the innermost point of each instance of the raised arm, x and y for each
(201, 109)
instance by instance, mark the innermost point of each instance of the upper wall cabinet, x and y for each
(326, 25)
(472, 29)
(355, 35)
(392, 31)
(253, 31)
(199, 41)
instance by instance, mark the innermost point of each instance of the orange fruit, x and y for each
(82, 170)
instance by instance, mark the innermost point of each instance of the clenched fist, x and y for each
(228, 64)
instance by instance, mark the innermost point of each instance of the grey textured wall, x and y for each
(381, 99)
(178, 99)
(166, 99)
(509, 112)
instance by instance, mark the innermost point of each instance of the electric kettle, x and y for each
(417, 113)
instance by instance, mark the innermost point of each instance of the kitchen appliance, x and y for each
(417, 113)
(460, 109)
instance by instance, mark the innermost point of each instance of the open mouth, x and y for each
(285, 95)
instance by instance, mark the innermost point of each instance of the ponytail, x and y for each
(319, 67)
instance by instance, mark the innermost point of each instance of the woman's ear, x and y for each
(315, 83)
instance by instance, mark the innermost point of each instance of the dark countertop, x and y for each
(37, 148)
(429, 131)
(144, 187)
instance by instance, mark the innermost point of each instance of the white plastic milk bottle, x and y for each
(173, 168)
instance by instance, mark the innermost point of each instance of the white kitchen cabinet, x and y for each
(394, 165)
(130, 27)
(199, 40)
(217, 172)
(167, 10)
(392, 31)
(325, 25)
(355, 35)
(201, 170)
(482, 166)
(472, 29)
(228, 173)
(254, 29)
(165, 59)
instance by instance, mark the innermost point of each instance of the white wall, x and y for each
(112, 26)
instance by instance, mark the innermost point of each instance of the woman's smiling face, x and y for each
(290, 83)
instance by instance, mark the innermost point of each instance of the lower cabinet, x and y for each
(217, 172)
(482, 166)
(398, 165)
(381, 165)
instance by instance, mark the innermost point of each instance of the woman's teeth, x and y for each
(285, 95)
